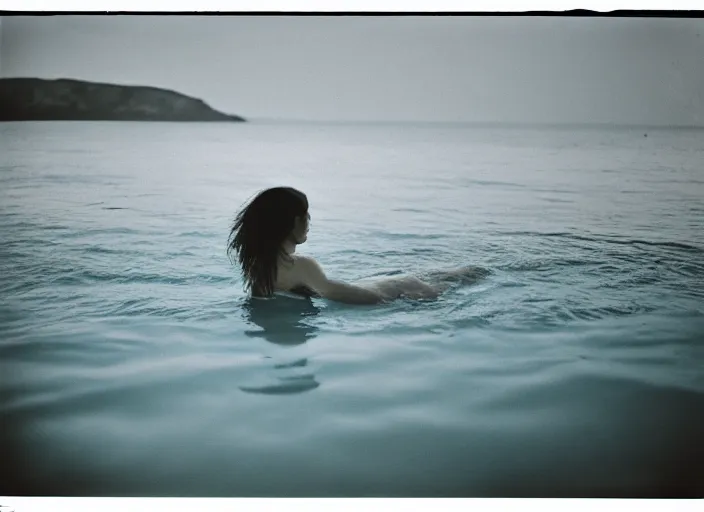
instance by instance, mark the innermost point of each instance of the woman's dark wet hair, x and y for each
(258, 233)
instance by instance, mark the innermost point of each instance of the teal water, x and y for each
(132, 364)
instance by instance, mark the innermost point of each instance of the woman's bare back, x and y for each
(288, 275)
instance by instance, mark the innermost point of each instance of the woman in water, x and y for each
(264, 238)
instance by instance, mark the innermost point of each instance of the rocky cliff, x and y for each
(34, 99)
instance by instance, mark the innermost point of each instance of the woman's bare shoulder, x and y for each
(304, 262)
(306, 270)
(295, 271)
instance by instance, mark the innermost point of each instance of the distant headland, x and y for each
(35, 99)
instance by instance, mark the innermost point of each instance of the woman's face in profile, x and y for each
(300, 229)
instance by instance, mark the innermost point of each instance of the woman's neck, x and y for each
(289, 247)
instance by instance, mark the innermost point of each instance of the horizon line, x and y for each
(255, 119)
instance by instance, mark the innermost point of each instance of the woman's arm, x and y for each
(313, 276)
(404, 286)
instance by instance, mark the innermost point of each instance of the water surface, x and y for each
(133, 364)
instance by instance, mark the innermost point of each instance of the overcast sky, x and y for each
(612, 70)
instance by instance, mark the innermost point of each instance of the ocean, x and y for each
(133, 364)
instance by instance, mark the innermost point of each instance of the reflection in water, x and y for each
(283, 319)
(284, 322)
(286, 386)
